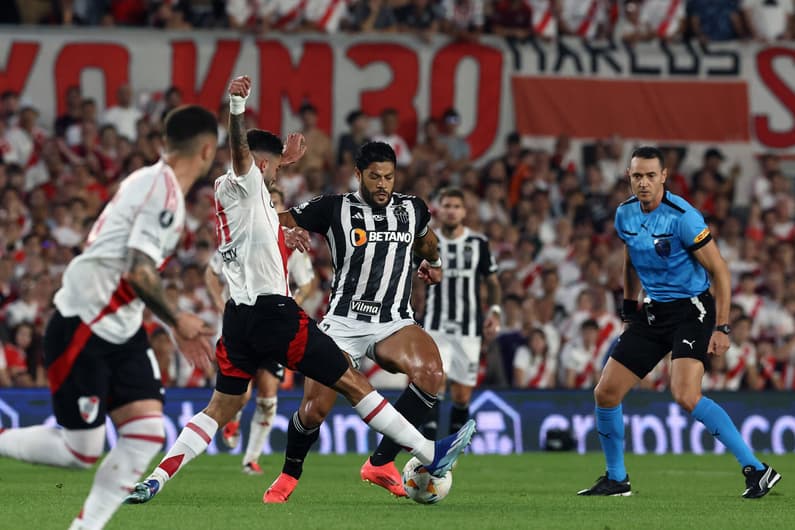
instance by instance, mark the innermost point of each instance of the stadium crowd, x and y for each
(548, 216)
(630, 20)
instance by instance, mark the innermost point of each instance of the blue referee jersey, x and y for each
(660, 246)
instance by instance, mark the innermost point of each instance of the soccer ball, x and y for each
(421, 486)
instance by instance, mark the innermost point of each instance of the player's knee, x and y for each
(605, 396)
(143, 435)
(685, 398)
(84, 446)
(428, 377)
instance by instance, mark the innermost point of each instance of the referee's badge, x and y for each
(401, 213)
(662, 247)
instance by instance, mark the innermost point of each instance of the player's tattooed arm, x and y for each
(238, 141)
(142, 275)
(427, 246)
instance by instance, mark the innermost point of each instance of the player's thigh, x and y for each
(690, 340)
(465, 361)
(135, 373)
(409, 350)
(78, 373)
(640, 349)
(319, 357)
(235, 366)
(445, 347)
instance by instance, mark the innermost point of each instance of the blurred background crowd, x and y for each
(631, 20)
(548, 213)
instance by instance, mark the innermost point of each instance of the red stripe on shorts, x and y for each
(225, 365)
(297, 347)
(59, 370)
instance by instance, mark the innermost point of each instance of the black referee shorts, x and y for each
(273, 330)
(682, 327)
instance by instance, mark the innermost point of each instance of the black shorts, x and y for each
(682, 327)
(273, 330)
(90, 376)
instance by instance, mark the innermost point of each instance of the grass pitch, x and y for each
(525, 491)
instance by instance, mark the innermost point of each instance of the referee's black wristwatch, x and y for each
(724, 328)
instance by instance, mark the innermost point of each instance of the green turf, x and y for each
(528, 491)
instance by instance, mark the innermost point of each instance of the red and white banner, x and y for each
(724, 93)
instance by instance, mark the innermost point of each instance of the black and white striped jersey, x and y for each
(372, 252)
(453, 305)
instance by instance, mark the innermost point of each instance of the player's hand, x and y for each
(491, 325)
(240, 86)
(718, 343)
(294, 148)
(430, 275)
(297, 239)
(193, 340)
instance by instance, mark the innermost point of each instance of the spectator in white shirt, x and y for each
(389, 127)
(770, 20)
(533, 364)
(124, 115)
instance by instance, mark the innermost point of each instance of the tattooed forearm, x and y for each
(142, 275)
(238, 143)
(427, 247)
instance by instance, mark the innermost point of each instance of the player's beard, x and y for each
(369, 197)
(450, 228)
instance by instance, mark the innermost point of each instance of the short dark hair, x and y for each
(647, 152)
(185, 124)
(374, 152)
(590, 323)
(264, 142)
(306, 106)
(451, 192)
(353, 116)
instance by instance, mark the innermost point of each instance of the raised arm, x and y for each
(238, 142)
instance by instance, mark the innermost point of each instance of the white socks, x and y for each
(192, 441)
(140, 438)
(380, 415)
(54, 447)
(261, 424)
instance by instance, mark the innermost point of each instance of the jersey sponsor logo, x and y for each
(166, 218)
(88, 407)
(361, 237)
(701, 236)
(229, 255)
(366, 307)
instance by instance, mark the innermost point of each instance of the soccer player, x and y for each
(97, 353)
(301, 274)
(453, 311)
(372, 235)
(262, 324)
(669, 252)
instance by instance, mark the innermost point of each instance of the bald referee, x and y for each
(669, 252)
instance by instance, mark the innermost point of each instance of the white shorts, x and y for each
(358, 339)
(460, 356)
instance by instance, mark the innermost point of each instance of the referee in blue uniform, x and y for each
(669, 252)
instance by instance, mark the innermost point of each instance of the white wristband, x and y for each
(495, 310)
(237, 105)
(436, 264)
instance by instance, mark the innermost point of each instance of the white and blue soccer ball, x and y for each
(421, 486)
